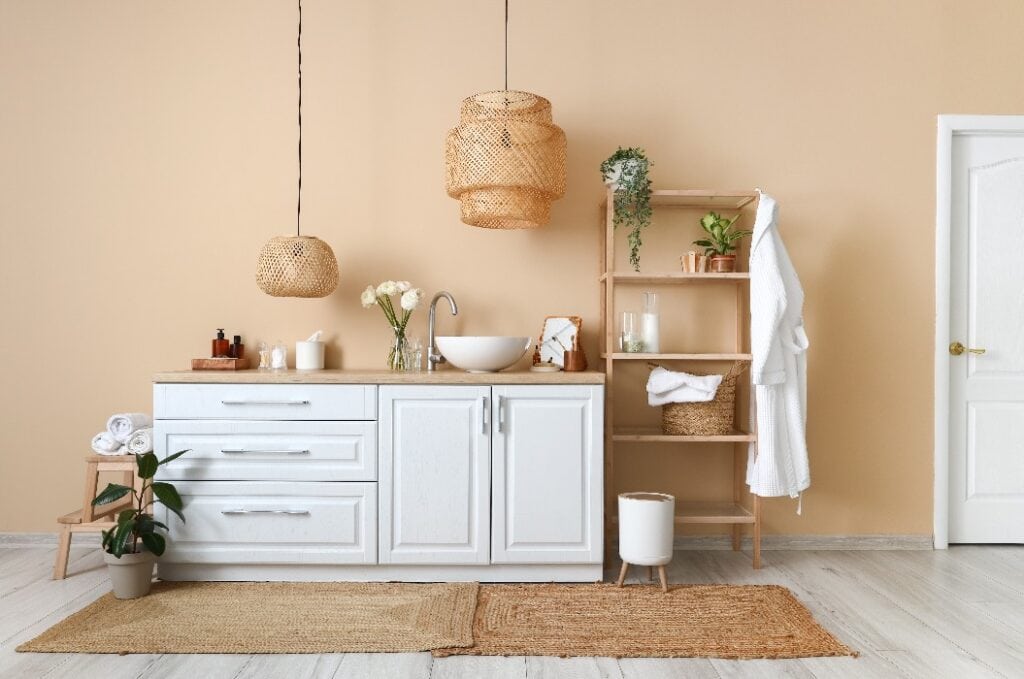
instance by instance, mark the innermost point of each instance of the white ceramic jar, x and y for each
(646, 526)
(309, 355)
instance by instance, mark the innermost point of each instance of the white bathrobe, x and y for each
(777, 464)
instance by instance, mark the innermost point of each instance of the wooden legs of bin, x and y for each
(650, 575)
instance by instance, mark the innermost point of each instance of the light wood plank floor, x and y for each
(909, 613)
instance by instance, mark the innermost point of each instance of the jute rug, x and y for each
(259, 617)
(716, 621)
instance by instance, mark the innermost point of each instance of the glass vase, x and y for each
(397, 353)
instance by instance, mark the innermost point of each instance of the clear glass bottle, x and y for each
(630, 340)
(649, 324)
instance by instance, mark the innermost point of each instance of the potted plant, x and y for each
(720, 243)
(130, 564)
(625, 173)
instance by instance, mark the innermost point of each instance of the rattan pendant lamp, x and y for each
(297, 266)
(506, 160)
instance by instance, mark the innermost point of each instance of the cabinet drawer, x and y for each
(230, 450)
(273, 523)
(265, 401)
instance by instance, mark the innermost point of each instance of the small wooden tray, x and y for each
(220, 364)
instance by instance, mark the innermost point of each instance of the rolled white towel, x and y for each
(105, 444)
(140, 442)
(668, 386)
(123, 425)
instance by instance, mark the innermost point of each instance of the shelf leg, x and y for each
(757, 531)
(622, 574)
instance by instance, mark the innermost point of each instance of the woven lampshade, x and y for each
(297, 266)
(506, 160)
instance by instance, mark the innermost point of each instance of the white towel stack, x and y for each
(667, 386)
(126, 433)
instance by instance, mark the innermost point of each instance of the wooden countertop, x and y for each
(443, 376)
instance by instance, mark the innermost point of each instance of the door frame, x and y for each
(950, 126)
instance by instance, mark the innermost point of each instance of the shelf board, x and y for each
(619, 356)
(670, 278)
(708, 512)
(712, 512)
(654, 435)
(702, 199)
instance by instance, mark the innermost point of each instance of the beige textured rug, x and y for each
(716, 621)
(258, 617)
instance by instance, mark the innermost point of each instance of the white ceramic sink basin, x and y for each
(482, 354)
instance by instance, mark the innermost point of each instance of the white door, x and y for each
(986, 409)
(435, 474)
(548, 474)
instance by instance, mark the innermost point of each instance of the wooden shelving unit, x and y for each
(732, 513)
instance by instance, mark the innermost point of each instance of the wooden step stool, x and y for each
(91, 519)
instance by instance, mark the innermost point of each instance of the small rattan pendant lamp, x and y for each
(506, 160)
(297, 266)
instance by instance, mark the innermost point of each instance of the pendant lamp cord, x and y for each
(506, 45)
(298, 208)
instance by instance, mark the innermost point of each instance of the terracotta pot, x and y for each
(723, 263)
(131, 575)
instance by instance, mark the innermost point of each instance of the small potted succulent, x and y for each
(625, 173)
(129, 563)
(720, 245)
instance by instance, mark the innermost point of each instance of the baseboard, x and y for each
(707, 542)
(47, 540)
(809, 542)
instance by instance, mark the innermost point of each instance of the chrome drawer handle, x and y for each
(265, 403)
(242, 451)
(290, 512)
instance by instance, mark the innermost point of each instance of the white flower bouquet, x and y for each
(408, 299)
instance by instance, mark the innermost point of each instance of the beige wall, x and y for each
(147, 150)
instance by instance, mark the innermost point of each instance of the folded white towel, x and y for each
(140, 442)
(668, 386)
(123, 425)
(105, 444)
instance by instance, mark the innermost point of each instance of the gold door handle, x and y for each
(956, 349)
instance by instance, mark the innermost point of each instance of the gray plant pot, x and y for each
(131, 575)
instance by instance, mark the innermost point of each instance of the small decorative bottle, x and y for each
(649, 324)
(630, 340)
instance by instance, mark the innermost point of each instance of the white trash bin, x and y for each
(646, 529)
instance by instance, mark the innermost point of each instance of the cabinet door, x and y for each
(548, 474)
(435, 474)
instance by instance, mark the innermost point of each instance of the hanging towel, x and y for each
(105, 444)
(777, 464)
(140, 442)
(667, 386)
(123, 425)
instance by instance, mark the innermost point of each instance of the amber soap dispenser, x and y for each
(220, 345)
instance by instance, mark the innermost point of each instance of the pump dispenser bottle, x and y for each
(220, 345)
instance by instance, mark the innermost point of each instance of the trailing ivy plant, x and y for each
(721, 234)
(136, 523)
(632, 195)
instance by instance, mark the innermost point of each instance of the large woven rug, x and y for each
(259, 617)
(717, 621)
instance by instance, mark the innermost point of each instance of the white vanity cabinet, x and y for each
(547, 471)
(338, 475)
(436, 471)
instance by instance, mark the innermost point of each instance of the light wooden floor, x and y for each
(910, 614)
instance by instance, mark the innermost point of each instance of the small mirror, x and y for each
(556, 337)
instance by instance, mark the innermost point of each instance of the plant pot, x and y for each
(622, 172)
(131, 575)
(723, 263)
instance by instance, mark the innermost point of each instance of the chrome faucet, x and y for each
(433, 355)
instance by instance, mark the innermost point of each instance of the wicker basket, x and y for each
(712, 418)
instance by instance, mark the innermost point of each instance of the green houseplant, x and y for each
(720, 244)
(130, 563)
(625, 172)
